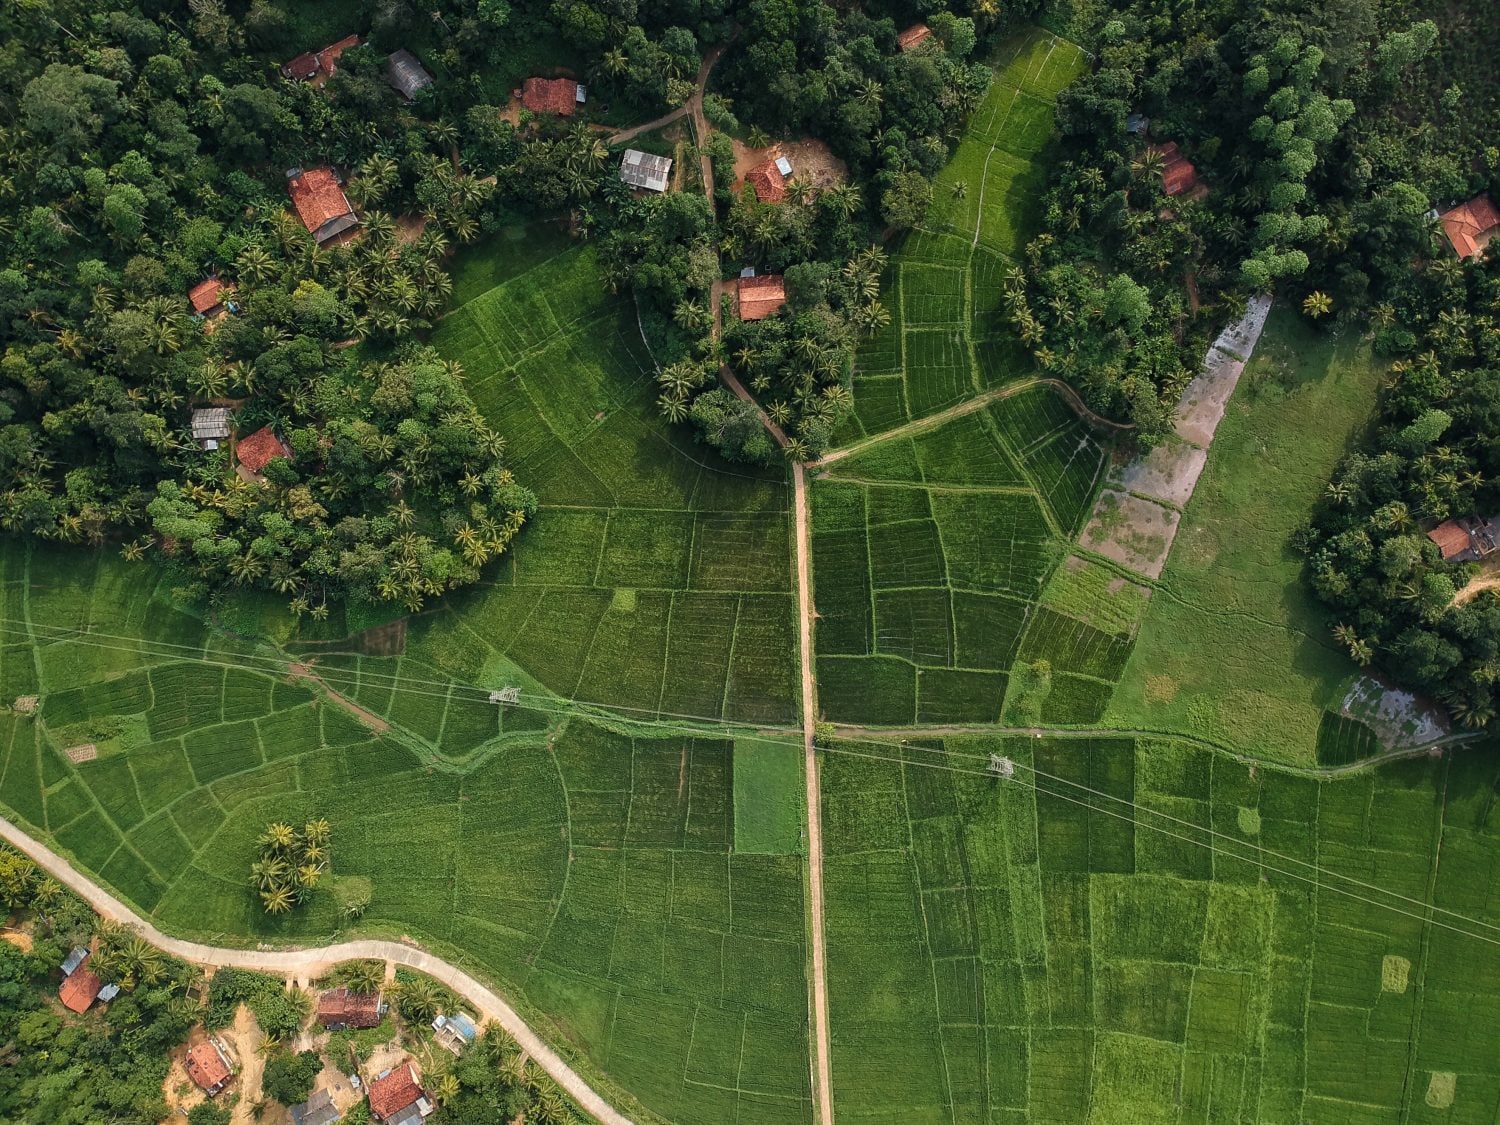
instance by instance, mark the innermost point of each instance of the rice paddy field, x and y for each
(1193, 899)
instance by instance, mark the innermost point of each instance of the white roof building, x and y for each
(643, 170)
(784, 166)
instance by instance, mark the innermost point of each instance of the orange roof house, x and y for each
(341, 1008)
(1470, 226)
(550, 95)
(319, 64)
(321, 203)
(767, 182)
(913, 36)
(1178, 176)
(79, 990)
(759, 297)
(207, 1067)
(207, 297)
(256, 451)
(394, 1093)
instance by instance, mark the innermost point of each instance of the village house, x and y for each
(454, 1032)
(81, 986)
(255, 452)
(1178, 176)
(340, 1008)
(406, 75)
(208, 1066)
(319, 65)
(1466, 540)
(759, 297)
(210, 426)
(210, 297)
(1470, 226)
(320, 202)
(317, 1110)
(645, 170)
(397, 1097)
(553, 95)
(769, 178)
(914, 36)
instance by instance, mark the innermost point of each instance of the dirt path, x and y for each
(369, 718)
(1488, 578)
(969, 406)
(693, 106)
(731, 380)
(814, 802)
(306, 964)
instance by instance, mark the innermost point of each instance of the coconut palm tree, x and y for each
(1317, 304)
(417, 999)
(444, 1088)
(280, 836)
(277, 900)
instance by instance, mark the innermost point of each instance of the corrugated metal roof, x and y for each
(645, 170)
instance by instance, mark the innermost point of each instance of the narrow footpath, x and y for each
(307, 964)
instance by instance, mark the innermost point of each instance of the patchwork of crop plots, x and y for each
(656, 578)
(947, 339)
(593, 875)
(1123, 936)
(929, 553)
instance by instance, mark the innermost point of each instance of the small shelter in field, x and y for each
(454, 1031)
(645, 170)
(210, 426)
(1470, 226)
(208, 1066)
(914, 36)
(406, 75)
(397, 1097)
(340, 1008)
(759, 297)
(317, 1110)
(553, 95)
(321, 203)
(1178, 176)
(768, 179)
(255, 452)
(1466, 540)
(210, 297)
(319, 65)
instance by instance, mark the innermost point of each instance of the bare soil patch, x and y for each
(1488, 578)
(812, 162)
(18, 938)
(1132, 531)
(1398, 718)
(409, 227)
(369, 718)
(25, 704)
(86, 752)
(1168, 473)
(384, 640)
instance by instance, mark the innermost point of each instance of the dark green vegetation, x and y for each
(1233, 646)
(290, 864)
(1130, 934)
(591, 875)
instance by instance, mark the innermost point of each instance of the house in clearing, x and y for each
(1466, 540)
(645, 170)
(208, 1066)
(210, 426)
(317, 1110)
(397, 1097)
(553, 95)
(340, 1008)
(255, 452)
(1178, 176)
(768, 179)
(914, 37)
(81, 986)
(406, 75)
(319, 65)
(210, 297)
(320, 202)
(1470, 226)
(759, 297)
(454, 1032)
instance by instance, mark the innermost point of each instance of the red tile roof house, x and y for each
(913, 36)
(397, 1098)
(209, 295)
(550, 95)
(208, 1067)
(340, 1008)
(1470, 226)
(255, 452)
(759, 297)
(321, 203)
(1178, 175)
(80, 989)
(767, 182)
(319, 65)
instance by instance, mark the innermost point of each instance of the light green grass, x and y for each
(770, 797)
(1234, 648)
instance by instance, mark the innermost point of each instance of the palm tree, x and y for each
(690, 316)
(960, 189)
(417, 999)
(1317, 304)
(365, 977)
(673, 408)
(277, 900)
(444, 1088)
(796, 450)
(279, 835)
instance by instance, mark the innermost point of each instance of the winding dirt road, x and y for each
(307, 964)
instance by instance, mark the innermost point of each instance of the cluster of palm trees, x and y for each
(290, 864)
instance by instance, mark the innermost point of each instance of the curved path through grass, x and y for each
(315, 961)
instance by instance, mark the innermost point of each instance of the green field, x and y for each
(1234, 648)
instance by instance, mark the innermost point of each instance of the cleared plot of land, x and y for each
(1000, 951)
(655, 578)
(929, 552)
(595, 877)
(1233, 647)
(946, 340)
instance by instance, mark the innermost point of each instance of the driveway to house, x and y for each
(308, 964)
